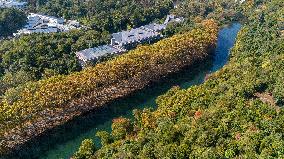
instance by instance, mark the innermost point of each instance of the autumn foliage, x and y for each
(41, 105)
(236, 113)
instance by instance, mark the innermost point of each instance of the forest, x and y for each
(222, 118)
(223, 11)
(41, 56)
(236, 113)
(30, 109)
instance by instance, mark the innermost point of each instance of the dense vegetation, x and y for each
(223, 11)
(28, 110)
(10, 21)
(109, 15)
(38, 56)
(113, 15)
(236, 113)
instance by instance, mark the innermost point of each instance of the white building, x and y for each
(12, 4)
(46, 18)
(39, 23)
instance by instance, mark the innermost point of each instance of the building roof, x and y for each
(133, 35)
(122, 39)
(94, 53)
(45, 17)
(155, 27)
(39, 30)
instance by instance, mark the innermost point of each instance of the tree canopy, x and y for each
(45, 55)
(52, 101)
(10, 21)
(236, 113)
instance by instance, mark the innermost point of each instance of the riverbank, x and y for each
(226, 40)
(222, 118)
(191, 51)
(50, 140)
(64, 140)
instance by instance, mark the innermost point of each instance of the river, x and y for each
(64, 141)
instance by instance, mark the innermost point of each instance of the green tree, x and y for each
(11, 20)
(86, 150)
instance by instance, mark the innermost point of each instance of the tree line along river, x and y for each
(63, 141)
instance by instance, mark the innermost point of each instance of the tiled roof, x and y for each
(94, 53)
(155, 27)
(133, 35)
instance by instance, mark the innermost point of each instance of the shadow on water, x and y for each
(64, 140)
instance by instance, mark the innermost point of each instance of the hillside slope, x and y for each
(236, 113)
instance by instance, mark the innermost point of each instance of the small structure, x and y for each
(39, 23)
(240, 1)
(74, 23)
(173, 18)
(12, 4)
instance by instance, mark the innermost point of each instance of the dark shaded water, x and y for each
(65, 140)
